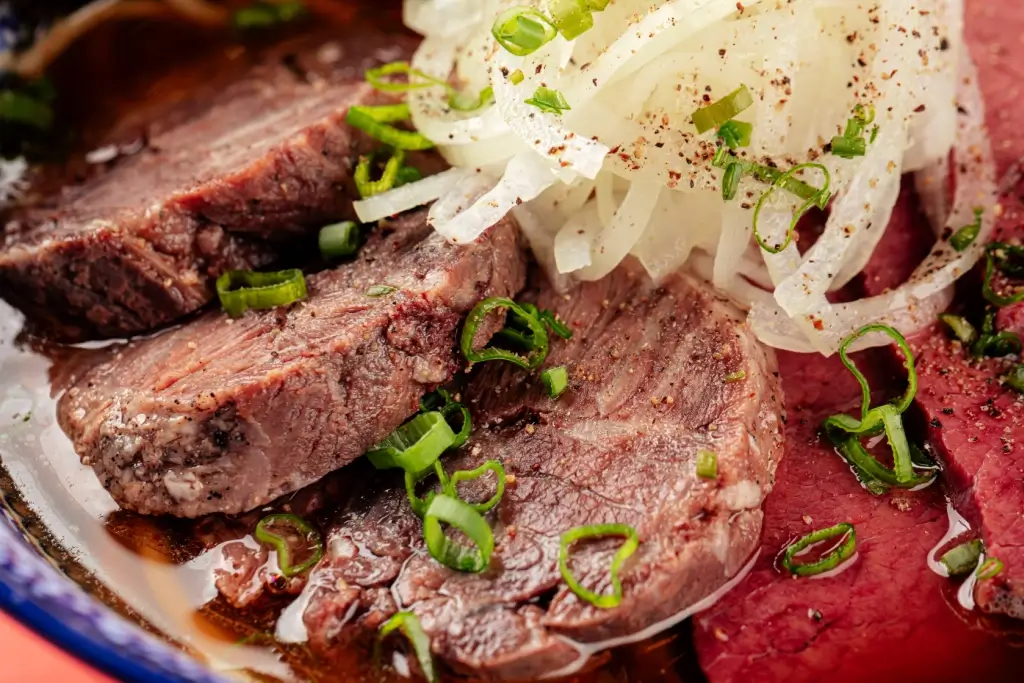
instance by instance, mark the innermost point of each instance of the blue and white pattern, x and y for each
(47, 601)
(8, 29)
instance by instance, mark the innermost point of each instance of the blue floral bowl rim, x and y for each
(55, 607)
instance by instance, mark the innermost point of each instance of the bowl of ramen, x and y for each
(584, 340)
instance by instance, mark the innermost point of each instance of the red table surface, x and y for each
(28, 657)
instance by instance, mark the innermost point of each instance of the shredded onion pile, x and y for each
(625, 172)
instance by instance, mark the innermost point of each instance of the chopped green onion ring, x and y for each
(555, 380)
(516, 77)
(339, 239)
(451, 487)
(242, 290)
(441, 400)
(367, 187)
(378, 78)
(707, 464)
(965, 236)
(736, 376)
(908, 364)
(415, 446)
(990, 568)
(537, 353)
(548, 100)
(1004, 253)
(718, 113)
(842, 552)
(522, 30)
(960, 327)
(279, 543)
(21, 108)
(559, 328)
(820, 200)
(419, 505)
(963, 558)
(447, 510)
(409, 624)
(997, 345)
(632, 542)
(375, 121)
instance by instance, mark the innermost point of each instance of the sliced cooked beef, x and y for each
(885, 616)
(648, 370)
(224, 415)
(976, 423)
(261, 158)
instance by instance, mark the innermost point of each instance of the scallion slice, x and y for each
(965, 236)
(441, 400)
(548, 100)
(736, 376)
(263, 14)
(377, 291)
(990, 568)
(848, 148)
(415, 446)
(1009, 259)
(409, 624)
(960, 327)
(819, 199)
(731, 181)
(766, 174)
(242, 290)
(282, 532)
(375, 121)
(735, 134)
(555, 325)
(387, 180)
(522, 30)
(845, 431)
(18, 107)
(555, 380)
(843, 550)
(448, 510)
(963, 558)
(339, 240)
(538, 336)
(406, 175)
(572, 18)
(419, 505)
(516, 77)
(1015, 378)
(630, 545)
(707, 464)
(451, 487)
(379, 78)
(718, 113)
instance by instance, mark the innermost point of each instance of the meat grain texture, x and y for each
(224, 177)
(648, 389)
(224, 415)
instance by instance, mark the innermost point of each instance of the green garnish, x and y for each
(735, 134)
(242, 290)
(819, 199)
(989, 569)
(523, 325)
(718, 113)
(632, 542)
(707, 464)
(376, 122)
(522, 30)
(283, 532)
(339, 240)
(965, 236)
(451, 486)
(415, 446)
(548, 101)
(963, 558)
(444, 509)
(555, 380)
(409, 624)
(378, 291)
(960, 327)
(845, 548)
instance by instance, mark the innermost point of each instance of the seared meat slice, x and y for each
(224, 415)
(650, 371)
(254, 158)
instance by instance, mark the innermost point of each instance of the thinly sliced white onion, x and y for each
(623, 170)
(410, 196)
